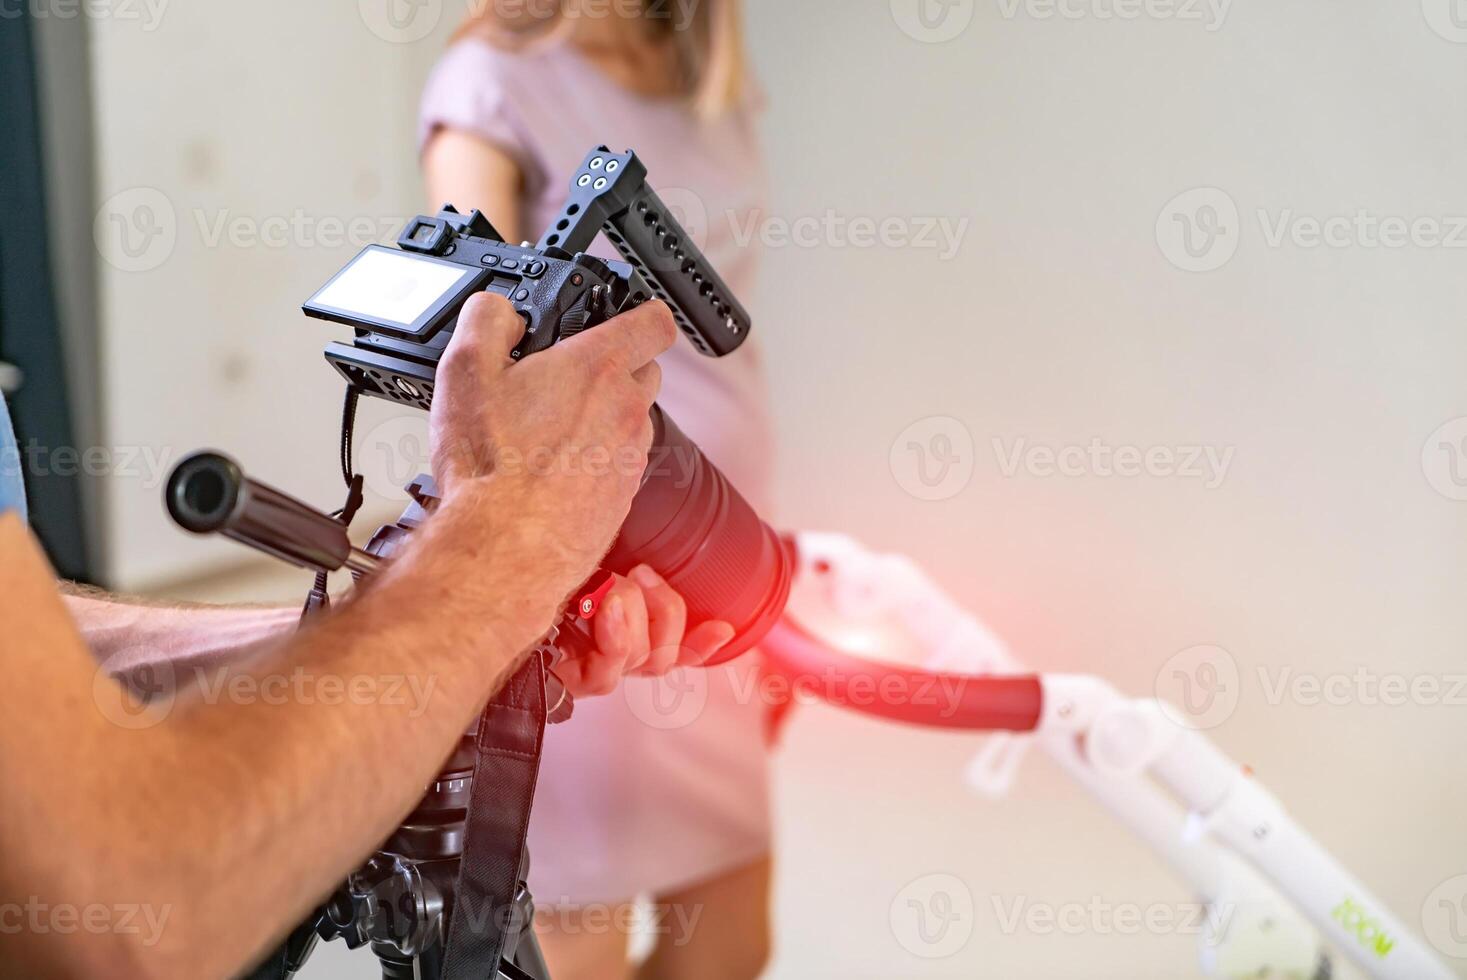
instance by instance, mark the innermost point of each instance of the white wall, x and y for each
(283, 123)
(1060, 320)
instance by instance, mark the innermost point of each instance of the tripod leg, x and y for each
(285, 962)
(528, 956)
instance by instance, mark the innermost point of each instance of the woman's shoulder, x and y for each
(476, 60)
(473, 60)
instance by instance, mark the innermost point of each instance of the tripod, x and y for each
(445, 895)
(401, 900)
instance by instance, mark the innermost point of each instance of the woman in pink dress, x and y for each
(631, 803)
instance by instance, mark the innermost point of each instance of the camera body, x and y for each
(403, 303)
(687, 521)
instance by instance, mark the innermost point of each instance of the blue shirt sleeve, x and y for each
(12, 485)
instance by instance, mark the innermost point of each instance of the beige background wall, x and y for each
(1062, 319)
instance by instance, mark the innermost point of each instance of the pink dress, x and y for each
(664, 783)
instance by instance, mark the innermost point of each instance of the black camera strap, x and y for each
(511, 734)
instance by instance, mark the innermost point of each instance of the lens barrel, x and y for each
(689, 524)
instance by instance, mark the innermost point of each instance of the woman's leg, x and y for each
(585, 943)
(729, 933)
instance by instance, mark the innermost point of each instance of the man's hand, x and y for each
(641, 628)
(568, 427)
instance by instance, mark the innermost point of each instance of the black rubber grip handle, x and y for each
(208, 493)
(610, 193)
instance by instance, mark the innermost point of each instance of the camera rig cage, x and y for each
(403, 303)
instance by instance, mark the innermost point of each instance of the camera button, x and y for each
(509, 264)
(522, 295)
(534, 268)
(490, 260)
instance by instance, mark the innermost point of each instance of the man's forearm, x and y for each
(125, 634)
(262, 803)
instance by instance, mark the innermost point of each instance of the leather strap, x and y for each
(510, 737)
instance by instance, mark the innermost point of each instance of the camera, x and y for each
(464, 842)
(687, 521)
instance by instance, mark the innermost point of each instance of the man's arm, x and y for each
(125, 634)
(235, 816)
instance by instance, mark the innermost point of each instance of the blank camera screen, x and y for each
(391, 286)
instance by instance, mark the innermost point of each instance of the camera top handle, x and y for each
(610, 193)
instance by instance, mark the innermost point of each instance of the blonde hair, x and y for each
(711, 63)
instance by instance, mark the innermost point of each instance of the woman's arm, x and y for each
(468, 172)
